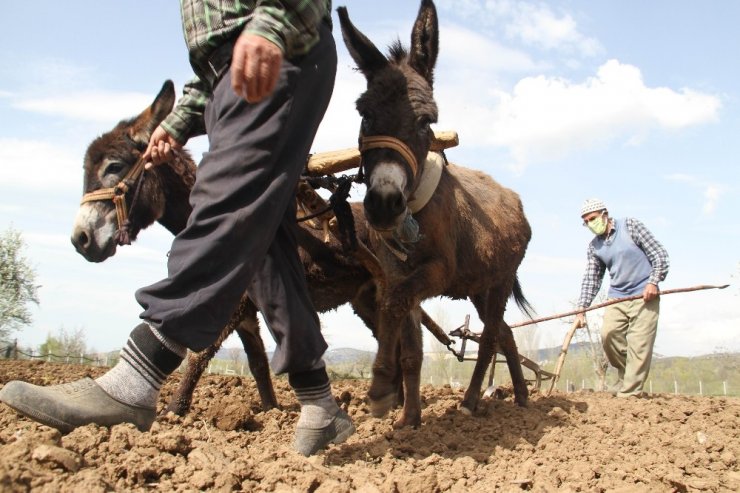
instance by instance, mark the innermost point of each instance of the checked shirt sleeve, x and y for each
(293, 25)
(186, 119)
(656, 253)
(592, 278)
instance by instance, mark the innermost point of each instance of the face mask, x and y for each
(597, 225)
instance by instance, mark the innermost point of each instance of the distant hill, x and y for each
(341, 356)
(337, 356)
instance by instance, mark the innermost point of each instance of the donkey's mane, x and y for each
(397, 52)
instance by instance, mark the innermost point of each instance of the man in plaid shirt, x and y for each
(264, 76)
(637, 262)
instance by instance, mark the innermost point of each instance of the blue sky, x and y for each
(634, 102)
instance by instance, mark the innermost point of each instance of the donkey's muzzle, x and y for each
(386, 209)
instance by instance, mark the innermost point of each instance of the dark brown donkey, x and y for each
(333, 278)
(473, 232)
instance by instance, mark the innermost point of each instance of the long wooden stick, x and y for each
(614, 301)
(561, 358)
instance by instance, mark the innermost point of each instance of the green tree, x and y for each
(65, 343)
(52, 345)
(17, 283)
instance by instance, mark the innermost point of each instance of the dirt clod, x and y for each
(569, 442)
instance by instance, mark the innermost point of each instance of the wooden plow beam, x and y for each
(333, 162)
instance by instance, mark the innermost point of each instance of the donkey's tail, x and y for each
(521, 301)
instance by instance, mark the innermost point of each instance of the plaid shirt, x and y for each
(645, 241)
(293, 25)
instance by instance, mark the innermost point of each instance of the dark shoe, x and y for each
(309, 441)
(67, 406)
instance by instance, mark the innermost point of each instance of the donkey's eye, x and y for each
(114, 168)
(423, 124)
(367, 124)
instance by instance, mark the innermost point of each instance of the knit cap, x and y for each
(592, 205)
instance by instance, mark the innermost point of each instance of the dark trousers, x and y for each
(241, 234)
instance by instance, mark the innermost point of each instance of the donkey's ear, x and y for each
(150, 118)
(367, 57)
(425, 41)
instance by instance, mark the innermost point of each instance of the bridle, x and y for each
(117, 194)
(388, 142)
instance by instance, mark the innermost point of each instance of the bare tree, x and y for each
(528, 341)
(235, 354)
(436, 361)
(363, 365)
(65, 344)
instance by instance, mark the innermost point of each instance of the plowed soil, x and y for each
(567, 442)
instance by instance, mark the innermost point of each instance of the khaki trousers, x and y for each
(628, 336)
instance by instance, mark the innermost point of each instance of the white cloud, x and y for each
(539, 26)
(698, 323)
(710, 192)
(533, 24)
(341, 124)
(95, 106)
(480, 54)
(38, 165)
(544, 118)
(550, 265)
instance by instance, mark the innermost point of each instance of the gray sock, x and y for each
(313, 391)
(146, 361)
(318, 407)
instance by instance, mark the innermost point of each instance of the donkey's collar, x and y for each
(430, 176)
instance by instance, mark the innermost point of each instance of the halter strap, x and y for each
(117, 193)
(388, 142)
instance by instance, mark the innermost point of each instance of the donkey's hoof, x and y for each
(380, 407)
(405, 422)
(465, 410)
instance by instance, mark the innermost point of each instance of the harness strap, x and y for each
(387, 142)
(117, 194)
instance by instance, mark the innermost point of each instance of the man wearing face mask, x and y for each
(637, 262)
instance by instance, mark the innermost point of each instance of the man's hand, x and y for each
(255, 67)
(580, 320)
(161, 145)
(650, 293)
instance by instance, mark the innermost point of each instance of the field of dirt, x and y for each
(567, 442)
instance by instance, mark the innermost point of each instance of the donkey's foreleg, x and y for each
(248, 332)
(365, 306)
(197, 363)
(383, 389)
(412, 354)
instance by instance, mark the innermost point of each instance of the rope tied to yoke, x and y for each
(338, 203)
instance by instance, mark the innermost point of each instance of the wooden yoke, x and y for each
(329, 163)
